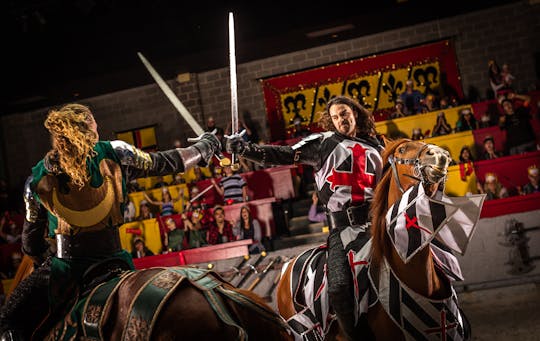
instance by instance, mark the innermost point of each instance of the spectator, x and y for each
(160, 182)
(429, 104)
(520, 137)
(197, 237)
(466, 120)
(175, 236)
(489, 149)
(129, 211)
(411, 98)
(10, 232)
(166, 205)
(139, 249)
(507, 77)
(177, 143)
(465, 155)
(441, 127)
(444, 103)
(133, 186)
(178, 180)
(492, 187)
(247, 123)
(144, 211)
(417, 134)
(495, 79)
(211, 125)
(219, 230)
(533, 185)
(299, 129)
(314, 215)
(232, 187)
(399, 109)
(248, 227)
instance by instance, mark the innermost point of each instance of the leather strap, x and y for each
(84, 244)
(352, 216)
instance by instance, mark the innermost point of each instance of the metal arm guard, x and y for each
(306, 151)
(142, 164)
(34, 227)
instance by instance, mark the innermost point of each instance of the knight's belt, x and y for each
(96, 243)
(352, 216)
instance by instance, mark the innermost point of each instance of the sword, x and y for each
(234, 89)
(262, 274)
(176, 103)
(252, 269)
(201, 193)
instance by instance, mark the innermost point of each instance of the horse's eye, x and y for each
(401, 150)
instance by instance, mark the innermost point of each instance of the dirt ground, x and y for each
(506, 313)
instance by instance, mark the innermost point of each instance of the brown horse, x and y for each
(170, 303)
(406, 164)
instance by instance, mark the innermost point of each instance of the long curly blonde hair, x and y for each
(73, 141)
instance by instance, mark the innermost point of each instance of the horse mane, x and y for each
(379, 204)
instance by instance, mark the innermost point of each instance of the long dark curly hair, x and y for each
(365, 124)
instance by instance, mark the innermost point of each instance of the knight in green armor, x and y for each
(74, 206)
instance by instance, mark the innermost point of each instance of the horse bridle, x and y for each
(418, 174)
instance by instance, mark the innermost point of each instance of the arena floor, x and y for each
(506, 313)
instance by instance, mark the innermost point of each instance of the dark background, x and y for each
(56, 51)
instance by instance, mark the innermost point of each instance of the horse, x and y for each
(406, 163)
(163, 303)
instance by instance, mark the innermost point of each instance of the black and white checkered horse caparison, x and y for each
(314, 315)
(418, 317)
(416, 219)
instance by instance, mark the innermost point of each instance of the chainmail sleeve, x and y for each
(34, 227)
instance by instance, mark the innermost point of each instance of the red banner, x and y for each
(375, 81)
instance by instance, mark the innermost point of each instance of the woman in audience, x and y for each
(465, 155)
(399, 112)
(175, 236)
(466, 120)
(533, 186)
(441, 127)
(144, 211)
(166, 205)
(492, 187)
(248, 227)
(193, 226)
(139, 249)
(219, 230)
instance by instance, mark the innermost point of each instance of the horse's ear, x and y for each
(386, 141)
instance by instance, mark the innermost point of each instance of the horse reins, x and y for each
(418, 175)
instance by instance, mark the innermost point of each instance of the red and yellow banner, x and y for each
(143, 138)
(375, 81)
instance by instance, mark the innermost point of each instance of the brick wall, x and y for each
(506, 34)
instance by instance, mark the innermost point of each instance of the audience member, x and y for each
(299, 129)
(211, 125)
(444, 103)
(178, 180)
(160, 182)
(248, 227)
(175, 236)
(166, 205)
(465, 155)
(492, 187)
(314, 215)
(139, 249)
(417, 134)
(441, 127)
(428, 104)
(144, 211)
(133, 186)
(411, 98)
(177, 143)
(533, 185)
(399, 109)
(252, 133)
(495, 79)
(232, 187)
(10, 232)
(489, 149)
(466, 120)
(520, 136)
(129, 211)
(196, 234)
(507, 77)
(219, 230)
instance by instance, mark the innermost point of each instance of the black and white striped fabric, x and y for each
(418, 317)
(416, 219)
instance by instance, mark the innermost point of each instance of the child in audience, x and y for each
(533, 185)
(489, 149)
(441, 127)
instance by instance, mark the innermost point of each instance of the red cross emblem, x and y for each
(353, 265)
(413, 222)
(443, 327)
(356, 178)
